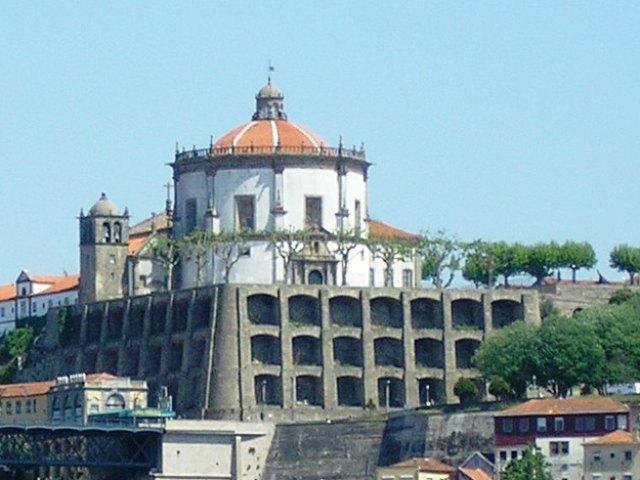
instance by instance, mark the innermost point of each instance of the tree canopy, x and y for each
(441, 257)
(576, 255)
(532, 466)
(625, 258)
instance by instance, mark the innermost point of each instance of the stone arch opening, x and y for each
(265, 349)
(465, 350)
(175, 356)
(431, 391)
(315, 277)
(429, 353)
(347, 351)
(115, 320)
(89, 361)
(386, 312)
(345, 311)
(350, 392)
(198, 353)
(390, 392)
(94, 324)
(136, 319)
(576, 311)
(309, 390)
(307, 351)
(467, 314)
(304, 310)
(132, 361)
(154, 359)
(426, 313)
(202, 310)
(505, 312)
(110, 361)
(180, 313)
(388, 352)
(268, 389)
(263, 309)
(158, 315)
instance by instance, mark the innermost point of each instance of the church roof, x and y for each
(57, 284)
(270, 133)
(379, 229)
(104, 207)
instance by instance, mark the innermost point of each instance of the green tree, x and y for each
(166, 250)
(485, 261)
(532, 466)
(626, 259)
(570, 354)
(441, 255)
(287, 244)
(541, 259)
(511, 353)
(466, 390)
(499, 388)
(576, 255)
(343, 244)
(229, 248)
(390, 250)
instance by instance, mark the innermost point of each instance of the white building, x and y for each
(271, 174)
(33, 295)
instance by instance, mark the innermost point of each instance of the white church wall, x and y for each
(229, 183)
(300, 183)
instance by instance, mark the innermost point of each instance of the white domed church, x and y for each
(275, 203)
(273, 175)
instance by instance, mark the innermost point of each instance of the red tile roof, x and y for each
(619, 437)
(565, 406)
(7, 292)
(58, 284)
(425, 465)
(382, 230)
(51, 279)
(64, 284)
(475, 474)
(136, 242)
(24, 389)
(269, 133)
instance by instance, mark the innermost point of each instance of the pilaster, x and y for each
(411, 394)
(369, 368)
(328, 376)
(449, 348)
(286, 353)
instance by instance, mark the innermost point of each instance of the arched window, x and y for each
(316, 277)
(107, 232)
(117, 232)
(115, 402)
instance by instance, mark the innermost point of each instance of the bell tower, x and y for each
(104, 242)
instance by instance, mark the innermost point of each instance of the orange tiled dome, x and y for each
(270, 133)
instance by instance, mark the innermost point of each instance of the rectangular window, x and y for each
(1, 311)
(372, 277)
(514, 454)
(541, 424)
(564, 448)
(507, 425)
(28, 406)
(579, 424)
(18, 407)
(357, 220)
(609, 422)
(553, 449)
(503, 455)
(523, 425)
(622, 422)
(628, 455)
(589, 424)
(597, 456)
(245, 212)
(9, 408)
(558, 424)
(35, 409)
(407, 278)
(190, 215)
(313, 213)
(628, 477)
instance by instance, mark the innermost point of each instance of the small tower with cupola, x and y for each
(104, 241)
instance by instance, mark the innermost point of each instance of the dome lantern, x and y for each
(269, 103)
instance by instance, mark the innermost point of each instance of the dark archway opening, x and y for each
(505, 312)
(309, 390)
(350, 392)
(426, 313)
(268, 390)
(307, 351)
(467, 314)
(388, 352)
(263, 309)
(304, 310)
(265, 349)
(345, 311)
(429, 353)
(390, 392)
(347, 351)
(386, 312)
(465, 350)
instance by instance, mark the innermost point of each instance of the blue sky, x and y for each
(496, 120)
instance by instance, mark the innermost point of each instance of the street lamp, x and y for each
(428, 395)
(263, 395)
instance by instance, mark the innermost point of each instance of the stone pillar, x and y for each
(166, 340)
(124, 334)
(237, 458)
(449, 348)
(277, 198)
(103, 338)
(411, 396)
(144, 344)
(368, 357)
(328, 377)
(531, 308)
(487, 315)
(227, 398)
(286, 353)
(342, 214)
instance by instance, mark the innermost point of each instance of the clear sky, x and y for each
(495, 120)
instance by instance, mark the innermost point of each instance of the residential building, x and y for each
(24, 403)
(614, 456)
(417, 469)
(33, 295)
(559, 428)
(476, 467)
(73, 398)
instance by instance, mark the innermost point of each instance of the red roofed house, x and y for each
(559, 428)
(33, 295)
(417, 469)
(615, 456)
(24, 403)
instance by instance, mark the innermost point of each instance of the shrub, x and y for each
(499, 388)
(466, 390)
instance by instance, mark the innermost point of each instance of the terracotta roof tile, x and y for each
(7, 292)
(426, 465)
(475, 474)
(566, 406)
(269, 133)
(46, 278)
(137, 242)
(382, 230)
(64, 284)
(24, 389)
(619, 437)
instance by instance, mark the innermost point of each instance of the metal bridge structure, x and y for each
(93, 447)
